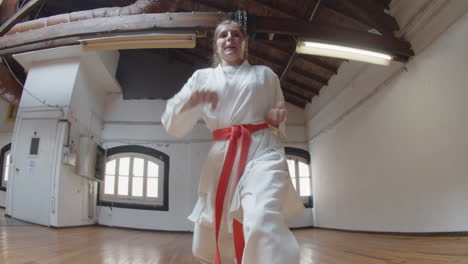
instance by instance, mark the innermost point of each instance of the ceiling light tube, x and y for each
(335, 51)
(140, 41)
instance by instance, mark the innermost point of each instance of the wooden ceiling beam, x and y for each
(376, 19)
(273, 63)
(297, 94)
(267, 44)
(305, 93)
(312, 76)
(292, 85)
(306, 81)
(326, 67)
(272, 11)
(252, 6)
(203, 6)
(259, 60)
(377, 11)
(303, 86)
(20, 14)
(295, 100)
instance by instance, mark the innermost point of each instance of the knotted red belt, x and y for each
(232, 134)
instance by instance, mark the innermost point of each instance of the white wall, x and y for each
(51, 82)
(390, 149)
(86, 110)
(138, 122)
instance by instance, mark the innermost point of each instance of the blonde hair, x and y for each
(216, 59)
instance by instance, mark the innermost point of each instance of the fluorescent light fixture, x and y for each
(153, 40)
(335, 51)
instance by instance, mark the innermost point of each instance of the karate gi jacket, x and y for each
(243, 99)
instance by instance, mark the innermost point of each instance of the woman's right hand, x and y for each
(201, 97)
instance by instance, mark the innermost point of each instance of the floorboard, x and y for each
(32, 244)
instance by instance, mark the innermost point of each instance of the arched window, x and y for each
(5, 158)
(299, 170)
(135, 177)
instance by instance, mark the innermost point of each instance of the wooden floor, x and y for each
(88, 245)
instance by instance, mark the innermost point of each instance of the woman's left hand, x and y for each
(276, 115)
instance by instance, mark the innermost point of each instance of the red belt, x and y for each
(232, 134)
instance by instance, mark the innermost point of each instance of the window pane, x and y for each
(138, 166)
(124, 166)
(305, 186)
(109, 184)
(291, 167)
(7, 167)
(303, 169)
(137, 186)
(294, 183)
(110, 167)
(123, 185)
(152, 188)
(153, 169)
(6, 174)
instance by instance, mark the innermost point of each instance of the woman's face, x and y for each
(230, 44)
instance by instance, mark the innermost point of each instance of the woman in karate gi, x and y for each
(245, 192)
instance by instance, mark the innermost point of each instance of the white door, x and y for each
(32, 170)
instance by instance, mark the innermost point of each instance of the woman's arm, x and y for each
(184, 109)
(277, 115)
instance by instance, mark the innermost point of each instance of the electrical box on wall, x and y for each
(86, 162)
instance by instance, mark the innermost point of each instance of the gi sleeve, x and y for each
(280, 131)
(179, 123)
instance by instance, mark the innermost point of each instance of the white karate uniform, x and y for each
(264, 196)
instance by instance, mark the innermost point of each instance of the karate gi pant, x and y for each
(268, 239)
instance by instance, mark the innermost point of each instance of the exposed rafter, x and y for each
(316, 78)
(25, 10)
(358, 11)
(295, 99)
(330, 69)
(305, 91)
(301, 85)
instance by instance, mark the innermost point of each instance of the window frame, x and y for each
(3, 153)
(161, 203)
(300, 155)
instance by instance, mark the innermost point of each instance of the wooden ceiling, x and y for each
(302, 76)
